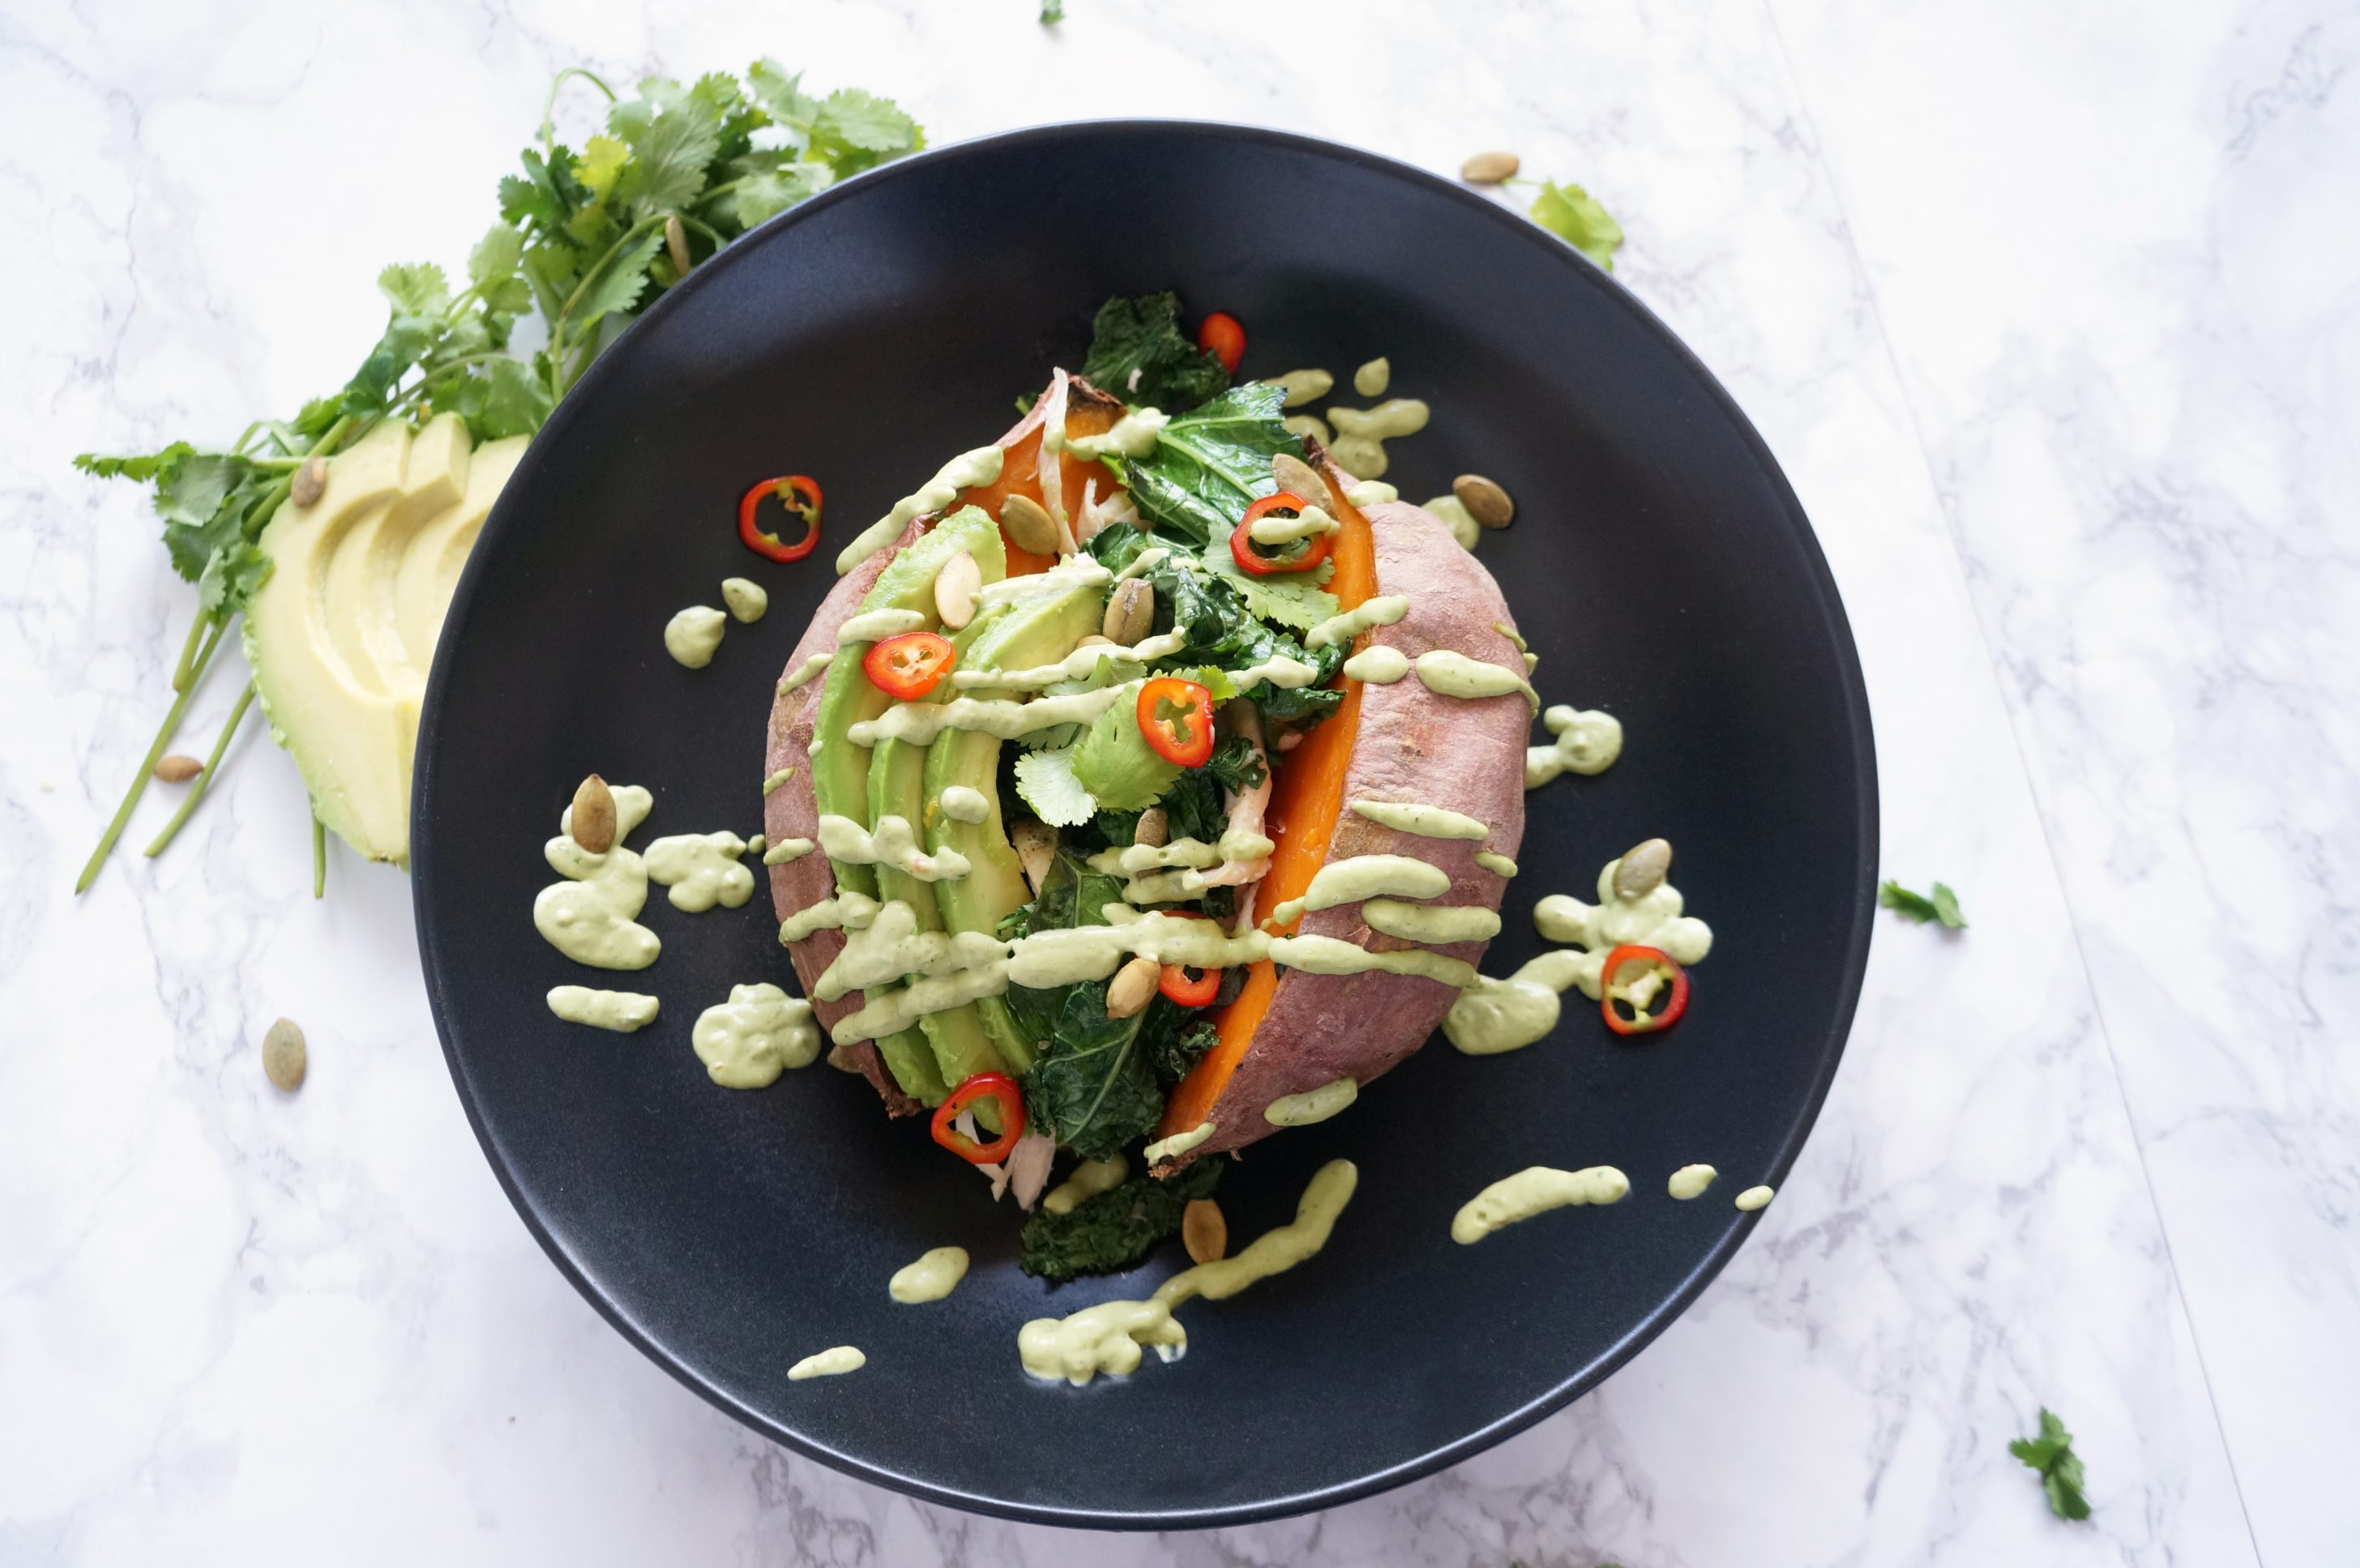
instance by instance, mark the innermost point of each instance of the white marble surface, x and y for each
(2052, 324)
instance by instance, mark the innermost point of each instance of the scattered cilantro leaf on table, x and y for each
(1943, 906)
(1573, 215)
(1052, 11)
(2051, 1453)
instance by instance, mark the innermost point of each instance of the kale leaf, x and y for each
(1140, 337)
(1209, 466)
(1094, 1088)
(1114, 1229)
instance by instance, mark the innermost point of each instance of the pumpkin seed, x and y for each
(676, 244)
(1490, 168)
(1028, 525)
(1485, 501)
(1643, 868)
(1203, 1231)
(1153, 827)
(592, 824)
(1129, 612)
(309, 480)
(1292, 474)
(957, 581)
(283, 1056)
(178, 768)
(1132, 987)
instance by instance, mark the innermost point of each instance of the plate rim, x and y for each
(1854, 694)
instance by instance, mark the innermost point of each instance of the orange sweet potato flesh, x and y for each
(1088, 412)
(1305, 801)
(1294, 1029)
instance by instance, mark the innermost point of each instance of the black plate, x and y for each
(1663, 570)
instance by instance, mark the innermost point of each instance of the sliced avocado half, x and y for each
(1032, 633)
(897, 788)
(840, 769)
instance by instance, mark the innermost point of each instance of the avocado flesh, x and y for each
(1025, 635)
(840, 769)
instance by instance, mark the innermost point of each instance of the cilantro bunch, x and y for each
(585, 240)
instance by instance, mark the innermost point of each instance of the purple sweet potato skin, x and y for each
(1417, 746)
(791, 810)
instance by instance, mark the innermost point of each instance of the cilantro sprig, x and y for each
(1943, 906)
(2052, 1454)
(585, 240)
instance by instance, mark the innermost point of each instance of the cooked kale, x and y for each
(1138, 354)
(1114, 1229)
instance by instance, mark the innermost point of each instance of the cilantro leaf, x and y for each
(142, 468)
(1943, 906)
(1573, 215)
(616, 288)
(230, 579)
(761, 197)
(603, 159)
(1138, 354)
(1052, 11)
(415, 289)
(780, 93)
(2051, 1453)
(856, 130)
(1114, 1229)
(494, 260)
(669, 158)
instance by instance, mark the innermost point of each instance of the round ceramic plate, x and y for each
(1663, 570)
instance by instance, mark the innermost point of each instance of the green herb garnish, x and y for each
(582, 241)
(1573, 215)
(1943, 906)
(2051, 1453)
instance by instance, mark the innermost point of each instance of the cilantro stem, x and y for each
(549, 106)
(147, 768)
(180, 671)
(558, 350)
(212, 763)
(707, 230)
(319, 857)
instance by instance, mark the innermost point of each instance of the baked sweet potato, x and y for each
(1289, 1033)
(792, 810)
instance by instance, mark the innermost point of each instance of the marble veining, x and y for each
(2054, 336)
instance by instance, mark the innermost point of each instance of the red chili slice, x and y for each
(1611, 990)
(801, 498)
(906, 667)
(1310, 553)
(1176, 717)
(1196, 993)
(1221, 336)
(997, 1086)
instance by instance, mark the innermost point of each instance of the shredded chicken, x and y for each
(1051, 466)
(1245, 810)
(1029, 1164)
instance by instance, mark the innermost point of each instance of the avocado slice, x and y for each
(840, 769)
(1025, 635)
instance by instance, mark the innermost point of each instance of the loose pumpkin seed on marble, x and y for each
(283, 1056)
(1490, 168)
(178, 768)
